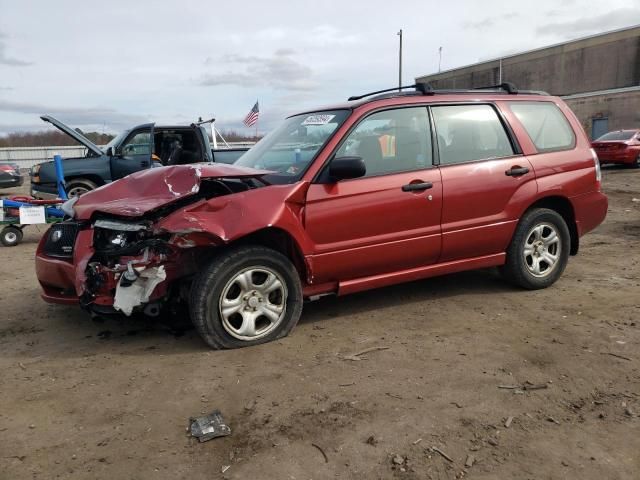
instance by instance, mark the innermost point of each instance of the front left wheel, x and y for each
(246, 296)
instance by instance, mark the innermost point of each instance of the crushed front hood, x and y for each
(146, 190)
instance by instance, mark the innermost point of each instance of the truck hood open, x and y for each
(146, 190)
(78, 137)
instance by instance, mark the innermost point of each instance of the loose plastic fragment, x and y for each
(209, 426)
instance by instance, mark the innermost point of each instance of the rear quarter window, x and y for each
(546, 125)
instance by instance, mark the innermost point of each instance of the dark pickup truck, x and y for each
(131, 151)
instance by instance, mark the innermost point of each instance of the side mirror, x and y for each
(110, 152)
(343, 168)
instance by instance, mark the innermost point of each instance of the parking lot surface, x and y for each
(470, 378)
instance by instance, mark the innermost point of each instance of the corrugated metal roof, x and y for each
(602, 92)
(526, 52)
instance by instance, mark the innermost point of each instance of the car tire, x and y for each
(246, 296)
(11, 236)
(636, 162)
(539, 250)
(79, 186)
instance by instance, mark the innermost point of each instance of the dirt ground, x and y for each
(88, 400)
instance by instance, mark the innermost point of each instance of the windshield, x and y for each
(289, 149)
(116, 140)
(619, 135)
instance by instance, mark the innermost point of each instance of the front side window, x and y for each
(391, 141)
(137, 144)
(469, 132)
(289, 149)
(546, 125)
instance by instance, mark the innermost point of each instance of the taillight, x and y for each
(597, 165)
(6, 168)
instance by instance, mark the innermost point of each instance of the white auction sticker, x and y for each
(317, 119)
(1, 210)
(32, 215)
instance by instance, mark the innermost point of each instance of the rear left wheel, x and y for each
(246, 296)
(539, 250)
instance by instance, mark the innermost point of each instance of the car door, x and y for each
(484, 177)
(134, 153)
(388, 220)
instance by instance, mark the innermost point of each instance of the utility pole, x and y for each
(400, 62)
(439, 58)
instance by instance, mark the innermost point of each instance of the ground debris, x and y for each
(355, 357)
(524, 387)
(616, 355)
(443, 454)
(507, 423)
(326, 459)
(469, 461)
(209, 426)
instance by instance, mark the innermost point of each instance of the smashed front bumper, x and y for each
(119, 278)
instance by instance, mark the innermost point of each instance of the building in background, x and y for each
(598, 77)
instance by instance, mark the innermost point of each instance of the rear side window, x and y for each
(469, 132)
(546, 125)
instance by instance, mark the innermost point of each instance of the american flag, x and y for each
(252, 116)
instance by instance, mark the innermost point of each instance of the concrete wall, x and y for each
(602, 62)
(621, 109)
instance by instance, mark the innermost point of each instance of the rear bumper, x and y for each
(590, 210)
(624, 156)
(13, 181)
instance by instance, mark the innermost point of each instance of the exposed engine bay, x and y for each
(132, 257)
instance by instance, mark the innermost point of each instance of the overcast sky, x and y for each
(113, 64)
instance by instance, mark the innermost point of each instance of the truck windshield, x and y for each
(289, 149)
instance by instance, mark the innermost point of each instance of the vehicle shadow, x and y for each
(69, 332)
(477, 282)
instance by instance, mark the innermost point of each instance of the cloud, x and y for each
(279, 71)
(490, 22)
(607, 21)
(6, 59)
(76, 117)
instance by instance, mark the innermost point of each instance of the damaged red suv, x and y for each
(382, 189)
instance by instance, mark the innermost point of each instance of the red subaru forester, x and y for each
(386, 188)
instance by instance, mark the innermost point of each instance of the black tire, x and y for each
(517, 268)
(79, 186)
(11, 236)
(636, 163)
(218, 278)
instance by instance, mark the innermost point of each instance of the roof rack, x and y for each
(426, 89)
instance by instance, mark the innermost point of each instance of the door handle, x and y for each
(516, 171)
(144, 163)
(417, 187)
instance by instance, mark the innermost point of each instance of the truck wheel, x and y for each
(11, 236)
(539, 250)
(246, 296)
(79, 186)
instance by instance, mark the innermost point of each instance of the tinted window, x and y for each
(391, 141)
(546, 125)
(470, 132)
(619, 135)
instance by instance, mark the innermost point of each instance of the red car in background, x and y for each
(619, 146)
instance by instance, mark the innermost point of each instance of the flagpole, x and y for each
(257, 119)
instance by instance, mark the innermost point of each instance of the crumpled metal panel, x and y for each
(142, 191)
